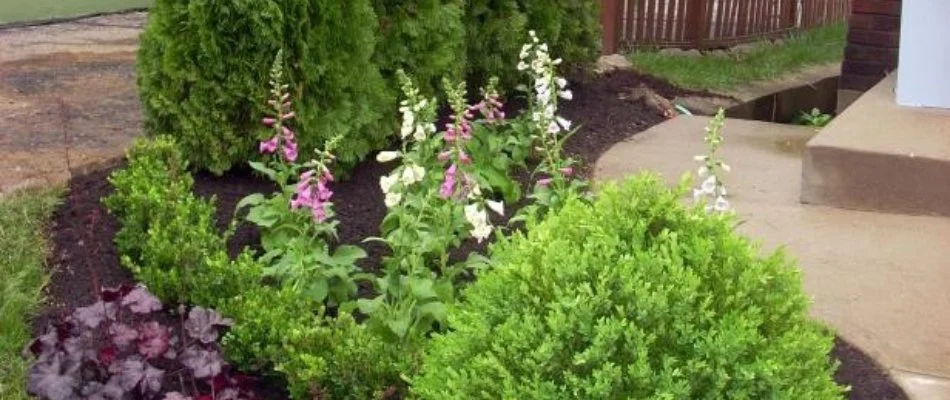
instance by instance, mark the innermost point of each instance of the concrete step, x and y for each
(878, 156)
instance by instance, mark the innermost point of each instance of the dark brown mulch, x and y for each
(84, 255)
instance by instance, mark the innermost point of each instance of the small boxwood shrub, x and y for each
(320, 357)
(203, 68)
(634, 296)
(424, 38)
(168, 236)
(496, 30)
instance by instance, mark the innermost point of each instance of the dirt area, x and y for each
(67, 97)
(83, 230)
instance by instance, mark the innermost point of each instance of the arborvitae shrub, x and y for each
(425, 38)
(203, 71)
(632, 297)
(497, 29)
(571, 27)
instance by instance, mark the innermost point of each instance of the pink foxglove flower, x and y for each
(447, 189)
(313, 193)
(567, 171)
(544, 181)
(290, 150)
(269, 146)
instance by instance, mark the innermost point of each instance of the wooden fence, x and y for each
(703, 24)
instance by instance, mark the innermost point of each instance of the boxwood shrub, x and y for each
(203, 72)
(634, 296)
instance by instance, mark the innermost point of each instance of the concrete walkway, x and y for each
(881, 280)
(67, 97)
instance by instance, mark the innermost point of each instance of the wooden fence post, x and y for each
(696, 25)
(789, 11)
(609, 17)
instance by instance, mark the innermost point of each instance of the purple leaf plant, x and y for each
(113, 350)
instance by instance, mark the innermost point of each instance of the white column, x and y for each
(923, 75)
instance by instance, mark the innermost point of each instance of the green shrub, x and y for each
(333, 357)
(425, 38)
(176, 248)
(497, 29)
(155, 176)
(166, 233)
(203, 68)
(634, 296)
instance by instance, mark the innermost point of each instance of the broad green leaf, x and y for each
(263, 217)
(399, 326)
(348, 255)
(369, 306)
(318, 290)
(436, 310)
(422, 289)
(260, 167)
(250, 200)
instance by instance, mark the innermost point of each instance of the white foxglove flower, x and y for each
(567, 95)
(387, 156)
(420, 133)
(481, 232)
(725, 167)
(496, 206)
(412, 174)
(561, 82)
(392, 199)
(698, 195)
(709, 185)
(386, 182)
(406, 130)
(557, 61)
(700, 158)
(522, 66)
(525, 51)
(472, 214)
(554, 128)
(722, 205)
(703, 171)
(475, 192)
(564, 123)
(543, 47)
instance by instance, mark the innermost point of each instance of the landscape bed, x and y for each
(84, 255)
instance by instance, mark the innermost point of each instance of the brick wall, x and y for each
(873, 42)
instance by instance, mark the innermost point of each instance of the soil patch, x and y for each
(84, 255)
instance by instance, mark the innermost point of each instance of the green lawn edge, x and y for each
(24, 219)
(799, 50)
(19, 11)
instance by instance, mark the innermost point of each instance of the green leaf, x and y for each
(250, 200)
(263, 216)
(369, 306)
(318, 290)
(348, 255)
(423, 288)
(400, 326)
(260, 167)
(436, 310)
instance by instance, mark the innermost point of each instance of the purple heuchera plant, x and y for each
(111, 351)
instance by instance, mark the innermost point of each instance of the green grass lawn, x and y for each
(767, 61)
(23, 246)
(37, 10)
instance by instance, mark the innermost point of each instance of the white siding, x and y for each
(923, 76)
